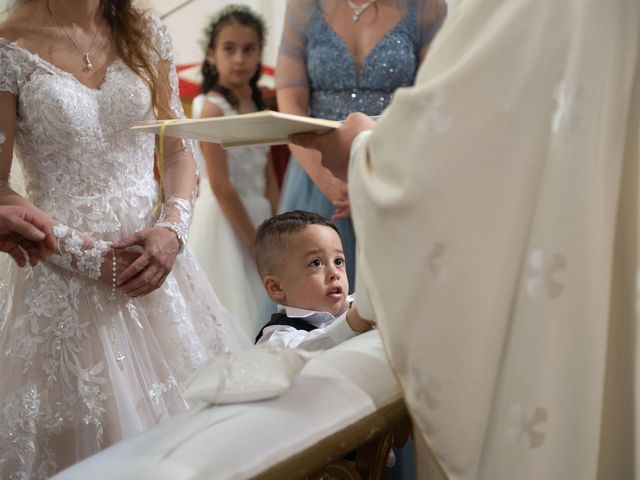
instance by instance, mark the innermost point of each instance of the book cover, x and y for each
(260, 128)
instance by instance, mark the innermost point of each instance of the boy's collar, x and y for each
(295, 312)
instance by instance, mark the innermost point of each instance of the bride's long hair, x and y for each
(131, 35)
(130, 28)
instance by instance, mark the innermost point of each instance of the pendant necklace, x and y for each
(358, 9)
(87, 66)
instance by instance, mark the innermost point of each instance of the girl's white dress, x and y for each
(224, 259)
(64, 393)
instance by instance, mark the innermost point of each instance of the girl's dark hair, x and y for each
(242, 15)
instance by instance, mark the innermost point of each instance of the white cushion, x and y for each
(260, 372)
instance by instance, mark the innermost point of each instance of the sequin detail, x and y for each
(157, 390)
(340, 85)
(176, 215)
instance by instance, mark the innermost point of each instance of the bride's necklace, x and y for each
(87, 66)
(359, 8)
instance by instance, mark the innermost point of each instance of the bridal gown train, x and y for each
(63, 393)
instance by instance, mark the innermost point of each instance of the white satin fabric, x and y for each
(496, 210)
(335, 389)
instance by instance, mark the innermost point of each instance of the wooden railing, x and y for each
(358, 452)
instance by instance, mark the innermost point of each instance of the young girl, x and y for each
(240, 189)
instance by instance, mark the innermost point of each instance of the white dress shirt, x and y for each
(329, 331)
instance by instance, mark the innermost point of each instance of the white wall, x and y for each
(186, 26)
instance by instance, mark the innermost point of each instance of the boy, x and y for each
(301, 262)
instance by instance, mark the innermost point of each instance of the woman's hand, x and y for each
(25, 230)
(337, 192)
(149, 271)
(343, 210)
(20, 249)
(335, 145)
(332, 187)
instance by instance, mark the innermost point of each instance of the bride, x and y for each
(96, 341)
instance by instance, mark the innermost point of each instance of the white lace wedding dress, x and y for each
(79, 370)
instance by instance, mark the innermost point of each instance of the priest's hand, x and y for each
(335, 145)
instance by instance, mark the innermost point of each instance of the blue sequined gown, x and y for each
(338, 85)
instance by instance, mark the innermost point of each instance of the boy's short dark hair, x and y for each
(273, 234)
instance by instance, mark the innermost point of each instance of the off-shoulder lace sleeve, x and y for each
(163, 44)
(431, 15)
(291, 69)
(15, 67)
(160, 37)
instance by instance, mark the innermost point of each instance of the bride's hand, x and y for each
(149, 271)
(124, 259)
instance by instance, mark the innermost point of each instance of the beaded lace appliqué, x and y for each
(158, 389)
(74, 255)
(176, 216)
(36, 413)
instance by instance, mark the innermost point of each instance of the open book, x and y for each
(261, 128)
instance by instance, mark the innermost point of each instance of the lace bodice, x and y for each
(81, 162)
(246, 165)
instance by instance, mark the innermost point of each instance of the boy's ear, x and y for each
(274, 289)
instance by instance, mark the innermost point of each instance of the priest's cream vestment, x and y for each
(496, 210)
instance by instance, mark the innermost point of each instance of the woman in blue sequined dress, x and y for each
(337, 57)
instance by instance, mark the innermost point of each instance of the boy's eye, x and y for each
(316, 262)
(339, 261)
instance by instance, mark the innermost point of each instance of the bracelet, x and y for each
(178, 230)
